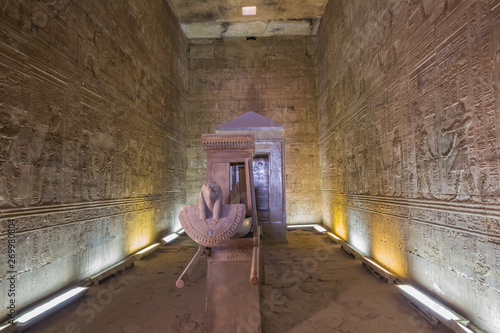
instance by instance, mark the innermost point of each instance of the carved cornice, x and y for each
(37, 217)
(219, 142)
(478, 219)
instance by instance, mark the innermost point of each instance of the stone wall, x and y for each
(275, 77)
(409, 103)
(92, 135)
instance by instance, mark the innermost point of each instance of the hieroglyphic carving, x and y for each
(456, 155)
(92, 134)
(429, 157)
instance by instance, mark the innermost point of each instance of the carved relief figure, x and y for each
(210, 201)
(102, 147)
(360, 159)
(86, 177)
(426, 155)
(9, 170)
(456, 155)
(397, 164)
(47, 173)
(378, 162)
(16, 138)
(130, 157)
(425, 161)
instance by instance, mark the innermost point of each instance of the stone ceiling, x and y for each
(224, 18)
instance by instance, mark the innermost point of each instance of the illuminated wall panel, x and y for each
(409, 103)
(92, 136)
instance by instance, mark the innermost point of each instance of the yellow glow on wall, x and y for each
(140, 231)
(391, 262)
(339, 221)
(139, 242)
(382, 243)
(385, 244)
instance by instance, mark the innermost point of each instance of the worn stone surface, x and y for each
(275, 77)
(143, 298)
(92, 135)
(224, 18)
(409, 104)
(216, 29)
(311, 286)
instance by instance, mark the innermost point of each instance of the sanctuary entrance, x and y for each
(268, 170)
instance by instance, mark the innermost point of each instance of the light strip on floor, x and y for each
(332, 235)
(119, 266)
(378, 270)
(377, 265)
(50, 305)
(8, 328)
(428, 302)
(181, 232)
(299, 226)
(319, 228)
(144, 252)
(349, 249)
(462, 327)
(170, 238)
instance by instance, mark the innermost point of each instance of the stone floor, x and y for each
(311, 286)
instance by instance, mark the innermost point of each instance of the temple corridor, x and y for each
(378, 120)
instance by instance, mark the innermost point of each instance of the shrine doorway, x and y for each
(268, 170)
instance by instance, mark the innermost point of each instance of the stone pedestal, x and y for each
(232, 301)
